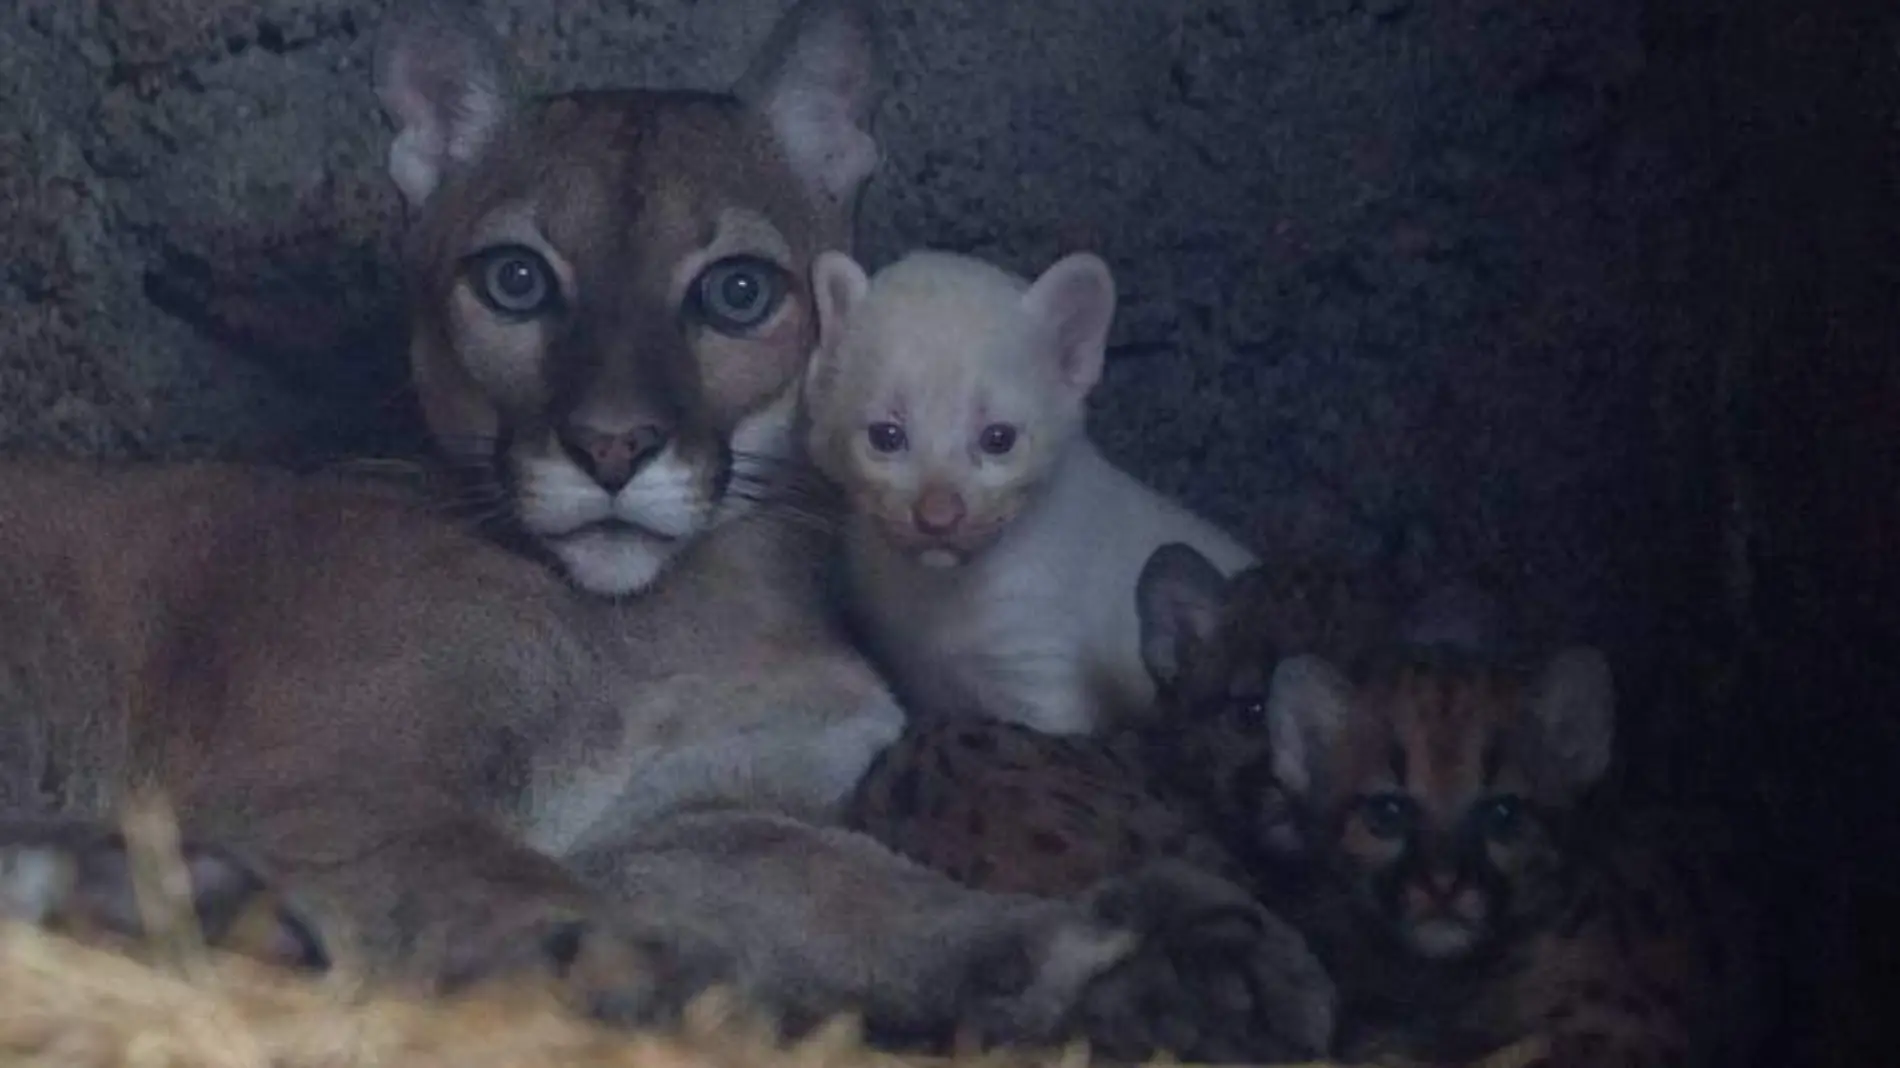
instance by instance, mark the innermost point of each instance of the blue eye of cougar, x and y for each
(513, 280)
(738, 293)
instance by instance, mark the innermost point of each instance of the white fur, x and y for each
(613, 565)
(1038, 624)
(667, 501)
(1040, 628)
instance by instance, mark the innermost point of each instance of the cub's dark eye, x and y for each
(514, 280)
(886, 437)
(1501, 816)
(997, 439)
(1248, 709)
(737, 294)
(1386, 815)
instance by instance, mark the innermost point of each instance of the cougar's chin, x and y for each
(613, 563)
(615, 544)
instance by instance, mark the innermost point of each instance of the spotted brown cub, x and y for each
(1009, 810)
(1447, 859)
(1004, 807)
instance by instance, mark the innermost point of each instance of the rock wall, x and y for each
(1396, 275)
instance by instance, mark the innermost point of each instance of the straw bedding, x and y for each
(72, 1005)
(169, 1002)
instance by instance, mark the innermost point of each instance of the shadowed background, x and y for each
(1594, 295)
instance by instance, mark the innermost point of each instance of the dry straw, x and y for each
(68, 1004)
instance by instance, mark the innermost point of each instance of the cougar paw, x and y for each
(594, 965)
(1209, 975)
(81, 879)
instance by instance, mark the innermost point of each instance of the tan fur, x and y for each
(457, 766)
(1023, 610)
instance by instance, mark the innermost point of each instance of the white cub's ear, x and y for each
(1178, 599)
(443, 80)
(1307, 710)
(1573, 718)
(1075, 299)
(816, 81)
(838, 286)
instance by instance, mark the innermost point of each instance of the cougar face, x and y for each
(607, 285)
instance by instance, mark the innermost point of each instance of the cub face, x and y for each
(1429, 794)
(944, 389)
(1439, 785)
(1210, 643)
(610, 287)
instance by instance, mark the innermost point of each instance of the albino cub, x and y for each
(991, 551)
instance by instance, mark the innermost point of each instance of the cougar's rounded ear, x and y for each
(444, 81)
(1308, 706)
(816, 80)
(1178, 600)
(1075, 300)
(1573, 721)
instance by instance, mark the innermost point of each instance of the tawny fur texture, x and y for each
(1449, 861)
(991, 550)
(450, 762)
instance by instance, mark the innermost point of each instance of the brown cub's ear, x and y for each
(443, 80)
(1307, 710)
(1178, 599)
(79, 878)
(838, 286)
(1075, 298)
(1573, 722)
(816, 80)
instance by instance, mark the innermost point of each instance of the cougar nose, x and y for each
(611, 459)
(938, 511)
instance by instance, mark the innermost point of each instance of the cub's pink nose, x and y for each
(938, 511)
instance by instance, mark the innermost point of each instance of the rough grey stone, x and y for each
(1383, 263)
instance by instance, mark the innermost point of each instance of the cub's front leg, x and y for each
(812, 921)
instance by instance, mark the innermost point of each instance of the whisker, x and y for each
(822, 522)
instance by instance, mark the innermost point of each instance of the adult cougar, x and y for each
(474, 769)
